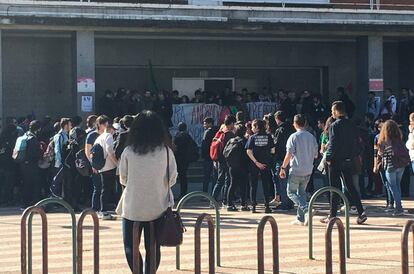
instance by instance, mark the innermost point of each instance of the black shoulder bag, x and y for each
(170, 226)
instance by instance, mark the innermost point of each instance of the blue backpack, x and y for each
(98, 157)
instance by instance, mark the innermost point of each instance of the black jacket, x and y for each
(120, 144)
(182, 142)
(280, 138)
(206, 143)
(33, 152)
(343, 141)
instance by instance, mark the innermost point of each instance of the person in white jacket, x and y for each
(143, 171)
(410, 142)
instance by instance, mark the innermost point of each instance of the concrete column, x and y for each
(84, 55)
(370, 72)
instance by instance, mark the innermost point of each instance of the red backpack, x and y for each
(217, 145)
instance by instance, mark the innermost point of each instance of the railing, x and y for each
(136, 240)
(328, 246)
(310, 218)
(23, 243)
(197, 244)
(260, 244)
(73, 227)
(180, 205)
(404, 246)
(85, 213)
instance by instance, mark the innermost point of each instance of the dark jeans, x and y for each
(97, 190)
(336, 172)
(209, 175)
(182, 168)
(266, 177)
(7, 183)
(223, 182)
(239, 179)
(108, 179)
(31, 183)
(127, 232)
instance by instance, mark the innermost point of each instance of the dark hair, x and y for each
(147, 132)
(371, 92)
(240, 116)
(229, 120)
(280, 115)
(341, 90)
(300, 120)
(76, 120)
(339, 106)
(260, 125)
(127, 121)
(208, 120)
(240, 130)
(35, 126)
(103, 119)
(182, 126)
(64, 122)
(116, 120)
(91, 121)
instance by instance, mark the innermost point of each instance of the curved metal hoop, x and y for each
(404, 246)
(328, 245)
(197, 243)
(95, 219)
(275, 244)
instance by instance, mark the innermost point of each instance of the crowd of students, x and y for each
(247, 150)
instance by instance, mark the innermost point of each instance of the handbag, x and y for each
(170, 226)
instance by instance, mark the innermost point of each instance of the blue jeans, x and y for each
(223, 182)
(281, 185)
(296, 190)
(127, 232)
(394, 179)
(96, 194)
(390, 197)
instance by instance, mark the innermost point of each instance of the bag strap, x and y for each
(168, 174)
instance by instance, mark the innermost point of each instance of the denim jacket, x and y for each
(60, 139)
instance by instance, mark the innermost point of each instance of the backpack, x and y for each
(83, 166)
(217, 146)
(192, 151)
(98, 157)
(233, 152)
(19, 151)
(400, 157)
(44, 162)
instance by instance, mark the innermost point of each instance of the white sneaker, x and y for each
(107, 217)
(297, 222)
(353, 211)
(274, 202)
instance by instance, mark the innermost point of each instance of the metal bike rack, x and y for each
(197, 244)
(136, 240)
(44, 202)
(404, 246)
(310, 218)
(328, 245)
(29, 213)
(216, 207)
(275, 244)
(85, 213)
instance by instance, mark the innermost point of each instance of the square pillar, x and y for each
(370, 71)
(84, 55)
(2, 114)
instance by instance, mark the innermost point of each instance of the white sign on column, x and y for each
(86, 84)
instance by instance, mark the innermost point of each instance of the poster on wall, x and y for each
(376, 84)
(86, 103)
(86, 84)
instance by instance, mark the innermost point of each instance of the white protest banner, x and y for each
(260, 109)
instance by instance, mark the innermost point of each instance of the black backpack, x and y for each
(98, 157)
(82, 163)
(192, 151)
(233, 152)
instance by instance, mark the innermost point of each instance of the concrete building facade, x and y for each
(47, 47)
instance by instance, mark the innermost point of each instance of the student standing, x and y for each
(260, 148)
(208, 166)
(301, 151)
(143, 171)
(340, 156)
(108, 172)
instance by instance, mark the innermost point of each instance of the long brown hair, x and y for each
(328, 124)
(389, 132)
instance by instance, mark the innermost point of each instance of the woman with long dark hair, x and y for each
(260, 148)
(143, 171)
(389, 158)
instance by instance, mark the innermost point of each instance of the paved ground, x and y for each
(375, 246)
